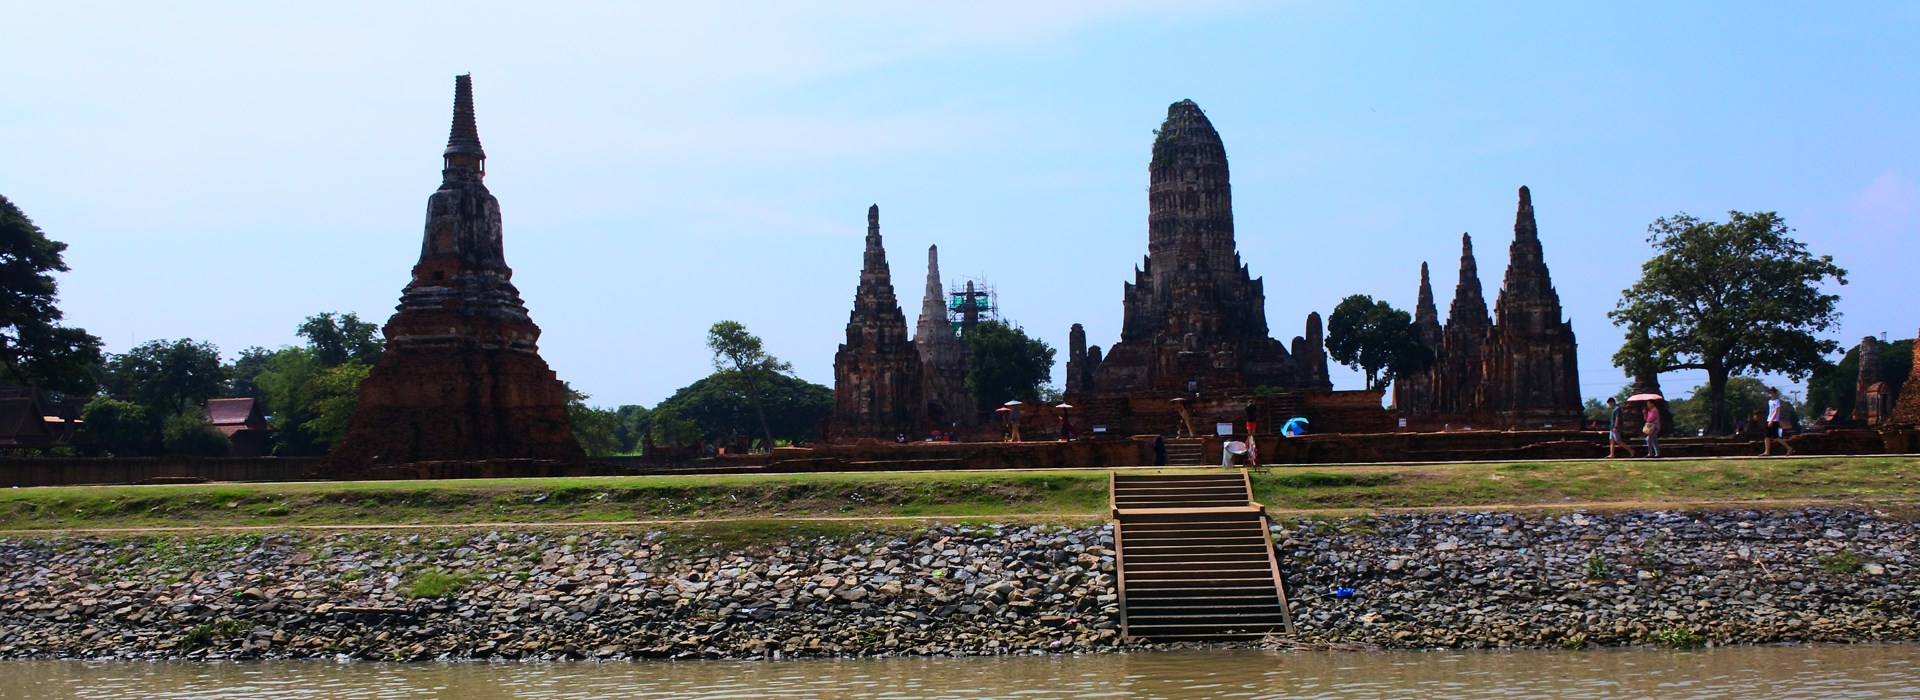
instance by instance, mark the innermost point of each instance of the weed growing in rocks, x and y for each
(1678, 638)
(1596, 567)
(221, 629)
(434, 583)
(1842, 563)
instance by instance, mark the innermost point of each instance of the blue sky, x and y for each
(223, 171)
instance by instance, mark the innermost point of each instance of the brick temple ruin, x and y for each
(462, 381)
(885, 385)
(1194, 322)
(1515, 369)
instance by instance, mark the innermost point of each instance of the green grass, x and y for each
(961, 494)
(1842, 563)
(435, 583)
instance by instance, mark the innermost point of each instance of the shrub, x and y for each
(1678, 638)
(189, 433)
(1596, 567)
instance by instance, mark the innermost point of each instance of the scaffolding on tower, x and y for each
(969, 302)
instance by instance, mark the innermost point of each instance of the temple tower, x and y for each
(876, 372)
(1530, 377)
(1457, 371)
(1870, 391)
(1906, 408)
(462, 378)
(1194, 318)
(943, 356)
(1415, 393)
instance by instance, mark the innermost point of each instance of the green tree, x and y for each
(593, 428)
(630, 427)
(1729, 298)
(711, 409)
(745, 366)
(331, 396)
(335, 338)
(243, 369)
(34, 348)
(1834, 385)
(287, 380)
(167, 376)
(1005, 364)
(189, 433)
(1745, 396)
(120, 428)
(1378, 340)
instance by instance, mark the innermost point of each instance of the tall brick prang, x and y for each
(943, 356)
(1194, 319)
(876, 372)
(1530, 376)
(462, 378)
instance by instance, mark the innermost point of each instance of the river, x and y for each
(1733, 672)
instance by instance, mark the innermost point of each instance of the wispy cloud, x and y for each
(1887, 205)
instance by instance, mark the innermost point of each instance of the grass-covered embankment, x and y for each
(972, 494)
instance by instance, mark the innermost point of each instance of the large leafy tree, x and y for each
(711, 409)
(167, 376)
(594, 428)
(1006, 364)
(336, 338)
(744, 365)
(1731, 298)
(34, 348)
(1378, 340)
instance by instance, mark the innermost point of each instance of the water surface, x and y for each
(1738, 672)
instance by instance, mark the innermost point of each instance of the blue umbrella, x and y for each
(1294, 426)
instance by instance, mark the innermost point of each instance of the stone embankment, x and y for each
(1418, 581)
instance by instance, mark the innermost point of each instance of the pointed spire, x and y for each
(1424, 312)
(933, 308)
(1469, 306)
(1524, 228)
(465, 136)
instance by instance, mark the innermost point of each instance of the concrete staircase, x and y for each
(1186, 452)
(1195, 559)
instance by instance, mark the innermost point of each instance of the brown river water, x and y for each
(1738, 672)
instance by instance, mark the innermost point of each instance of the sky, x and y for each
(222, 171)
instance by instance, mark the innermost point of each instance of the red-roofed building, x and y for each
(244, 425)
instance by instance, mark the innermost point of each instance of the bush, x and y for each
(190, 434)
(1596, 567)
(1678, 638)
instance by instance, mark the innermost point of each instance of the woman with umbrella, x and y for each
(1652, 419)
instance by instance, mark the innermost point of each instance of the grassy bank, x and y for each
(1880, 480)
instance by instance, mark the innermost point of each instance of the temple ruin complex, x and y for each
(462, 379)
(1515, 369)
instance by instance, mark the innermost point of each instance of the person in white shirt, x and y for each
(1776, 425)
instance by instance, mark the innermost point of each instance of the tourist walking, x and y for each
(1615, 440)
(1652, 428)
(1776, 425)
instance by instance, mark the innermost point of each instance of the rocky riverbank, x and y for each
(1418, 580)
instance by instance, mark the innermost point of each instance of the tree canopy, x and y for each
(167, 376)
(1378, 340)
(1006, 364)
(34, 348)
(712, 410)
(743, 364)
(336, 338)
(1731, 298)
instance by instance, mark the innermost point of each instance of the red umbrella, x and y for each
(1645, 397)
